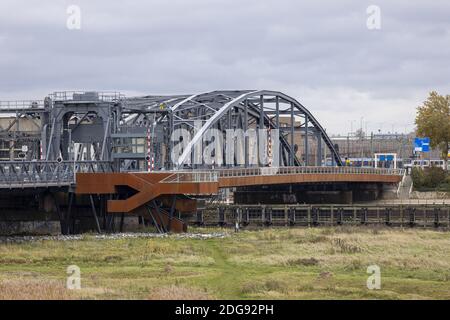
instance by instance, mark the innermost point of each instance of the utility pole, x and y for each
(363, 137)
(348, 145)
(371, 144)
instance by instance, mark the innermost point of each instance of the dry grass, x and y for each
(345, 246)
(303, 262)
(274, 285)
(339, 247)
(279, 263)
(34, 290)
(178, 293)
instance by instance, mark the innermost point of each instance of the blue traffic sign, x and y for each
(422, 144)
(384, 157)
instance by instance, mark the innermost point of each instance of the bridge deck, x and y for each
(94, 177)
(152, 185)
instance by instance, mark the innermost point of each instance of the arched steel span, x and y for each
(237, 110)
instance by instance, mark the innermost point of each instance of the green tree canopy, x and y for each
(433, 120)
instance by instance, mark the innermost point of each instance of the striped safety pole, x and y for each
(269, 147)
(149, 157)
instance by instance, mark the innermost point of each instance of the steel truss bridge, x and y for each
(74, 126)
(117, 148)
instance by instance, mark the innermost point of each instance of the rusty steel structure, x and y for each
(149, 186)
(112, 155)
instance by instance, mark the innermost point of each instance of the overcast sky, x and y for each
(320, 52)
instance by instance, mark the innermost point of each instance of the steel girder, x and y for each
(233, 109)
(228, 109)
(219, 109)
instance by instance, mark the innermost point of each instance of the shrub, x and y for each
(445, 186)
(418, 177)
(434, 178)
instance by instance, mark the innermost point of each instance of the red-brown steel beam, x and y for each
(149, 186)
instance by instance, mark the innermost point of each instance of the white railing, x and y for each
(98, 95)
(21, 105)
(270, 171)
(192, 176)
(213, 175)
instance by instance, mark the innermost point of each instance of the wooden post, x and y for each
(309, 216)
(332, 216)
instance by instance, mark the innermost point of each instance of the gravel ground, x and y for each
(111, 236)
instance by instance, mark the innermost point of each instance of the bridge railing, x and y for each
(26, 174)
(108, 96)
(192, 176)
(269, 171)
(213, 175)
(20, 105)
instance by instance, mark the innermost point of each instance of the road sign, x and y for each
(388, 160)
(386, 157)
(422, 144)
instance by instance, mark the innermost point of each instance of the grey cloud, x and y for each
(318, 51)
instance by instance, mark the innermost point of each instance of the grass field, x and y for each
(319, 263)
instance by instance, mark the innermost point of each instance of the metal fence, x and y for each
(419, 215)
(29, 174)
(21, 105)
(109, 96)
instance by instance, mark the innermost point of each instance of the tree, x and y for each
(433, 120)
